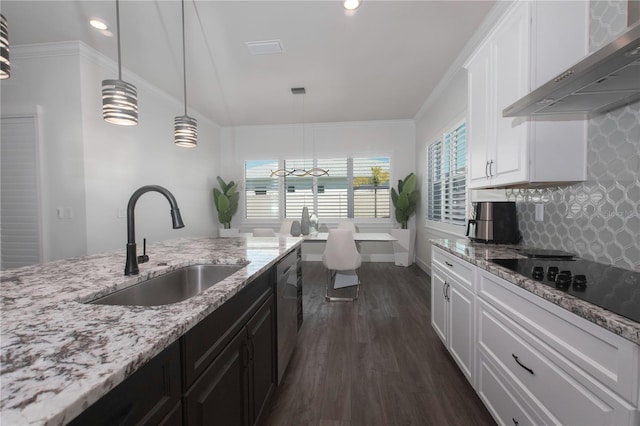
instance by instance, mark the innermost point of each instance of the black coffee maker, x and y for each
(495, 222)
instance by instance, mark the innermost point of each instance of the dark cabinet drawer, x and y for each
(151, 396)
(203, 343)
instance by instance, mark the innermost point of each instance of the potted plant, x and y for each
(405, 201)
(226, 201)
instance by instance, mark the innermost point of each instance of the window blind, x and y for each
(20, 200)
(333, 190)
(371, 194)
(446, 177)
(298, 189)
(261, 190)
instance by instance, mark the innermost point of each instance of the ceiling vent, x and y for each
(265, 47)
(298, 90)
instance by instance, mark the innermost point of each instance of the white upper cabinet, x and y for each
(530, 44)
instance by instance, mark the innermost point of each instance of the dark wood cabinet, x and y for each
(219, 396)
(221, 372)
(151, 396)
(261, 331)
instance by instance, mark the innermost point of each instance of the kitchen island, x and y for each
(59, 354)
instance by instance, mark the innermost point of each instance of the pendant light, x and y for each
(119, 98)
(314, 171)
(5, 65)
(186, 128)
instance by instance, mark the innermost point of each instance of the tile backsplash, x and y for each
(598, 219)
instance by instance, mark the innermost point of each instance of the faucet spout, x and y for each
(131, 266)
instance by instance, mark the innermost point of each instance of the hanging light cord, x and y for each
(184, 63)
(118, 34)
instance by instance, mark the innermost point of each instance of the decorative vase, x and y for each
(313, 224)
(295, 228)
(305, 222)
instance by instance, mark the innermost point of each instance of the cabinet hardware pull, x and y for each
(449, 264)
(521, 364)
(444, 291)
(491, 168)
(486, 168)
(515, 422)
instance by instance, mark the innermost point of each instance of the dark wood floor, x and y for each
(376, 361)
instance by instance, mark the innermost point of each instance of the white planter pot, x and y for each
(404, 247)
(227, 233)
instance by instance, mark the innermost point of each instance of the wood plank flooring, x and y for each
(376, 361)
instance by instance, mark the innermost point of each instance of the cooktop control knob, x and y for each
(563, 279)
(537, 272)
(552, 272)
(580, 281)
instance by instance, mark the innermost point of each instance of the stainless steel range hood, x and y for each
(607, 79)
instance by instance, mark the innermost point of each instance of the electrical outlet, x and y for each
(539, 213)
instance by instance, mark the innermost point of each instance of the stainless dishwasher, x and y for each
(287, 309)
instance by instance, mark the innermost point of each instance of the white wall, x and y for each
(93, 166)
(45, 79)
(395, 139)
(441, 112)
(120, 159)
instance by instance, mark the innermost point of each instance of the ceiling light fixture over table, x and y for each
(185, 127)
(314, 171)
(351, 4)
(119, 98)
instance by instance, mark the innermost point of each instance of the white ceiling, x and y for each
(380, 63)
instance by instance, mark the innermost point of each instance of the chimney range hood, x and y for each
(607, 79)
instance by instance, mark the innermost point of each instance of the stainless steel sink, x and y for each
(172, 287)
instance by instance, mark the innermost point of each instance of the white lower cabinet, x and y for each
(532, 362)
(452, 313)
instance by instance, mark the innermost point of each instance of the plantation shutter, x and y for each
(371, 187)
(333, 190)
(434, 181)
(456, 153)
(261, 190)
(446, 177)
(298, 190)
(20, 200)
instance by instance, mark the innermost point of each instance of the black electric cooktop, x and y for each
(615, 289)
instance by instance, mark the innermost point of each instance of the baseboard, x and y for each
(426, 267)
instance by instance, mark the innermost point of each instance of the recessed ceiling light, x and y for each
(98, 24)
(351, 4)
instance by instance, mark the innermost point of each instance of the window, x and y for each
(354, 188)
(446, 177)
(261, 190)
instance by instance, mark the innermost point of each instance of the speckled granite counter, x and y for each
(60, 355)
(479, 253)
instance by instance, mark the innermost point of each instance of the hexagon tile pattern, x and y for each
(598, 219)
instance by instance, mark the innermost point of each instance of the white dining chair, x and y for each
(263, 232)
(285, 227)
(341, 255)
(347, 224)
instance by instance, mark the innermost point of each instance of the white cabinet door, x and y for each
(510, 51)
(439, 304)
(461, 326)
(480, 111)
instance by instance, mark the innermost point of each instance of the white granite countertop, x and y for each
(479, 253)
(59, 355)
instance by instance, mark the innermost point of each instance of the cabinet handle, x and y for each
(486, 168)
(449, 264)
(491, 168)
(521, 364)
(444, 289)
(515, 422)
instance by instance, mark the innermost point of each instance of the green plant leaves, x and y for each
(405, 199)
(226, 201)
